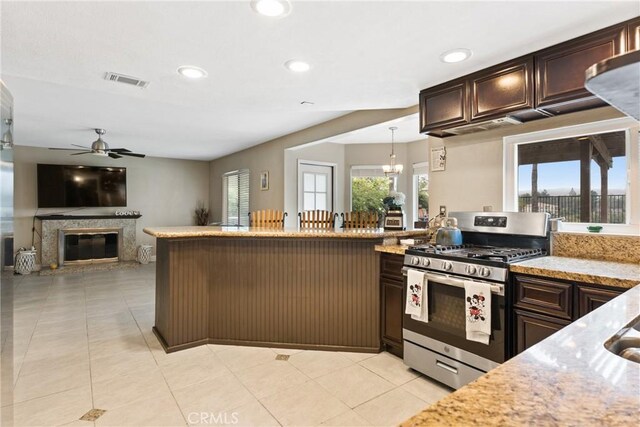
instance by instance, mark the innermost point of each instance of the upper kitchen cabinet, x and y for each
(444, 106)
(633, 35)
(560, 70)
(500, 90)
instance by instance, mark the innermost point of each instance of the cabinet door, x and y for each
(531, 328)
(391, 266)
(633, 35)
(544, 296)
(560, 70)
(444, 106)
(502, 89)
(591, 298)
(392, 310)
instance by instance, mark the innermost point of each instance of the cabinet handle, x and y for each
(446, 367)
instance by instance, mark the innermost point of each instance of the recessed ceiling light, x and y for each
(297, 66)
(191, 72)
(271, 8)
(455, 55)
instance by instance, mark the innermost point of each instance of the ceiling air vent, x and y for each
(487, 125)
(121, 78)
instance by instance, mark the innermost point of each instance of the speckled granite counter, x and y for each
(606, 273)
(392, 249)
(602, 247)
(569, 379)
(180, 232)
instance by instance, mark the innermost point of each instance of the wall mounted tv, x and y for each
(65, 186)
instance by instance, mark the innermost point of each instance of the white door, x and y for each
(315, 187)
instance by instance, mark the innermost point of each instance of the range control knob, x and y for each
(485, 272)
(447, 266)
(415, 260)
(471, 269)
(426, 262)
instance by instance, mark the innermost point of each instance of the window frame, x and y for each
(225, 196)
(419, 169)
(632, 149)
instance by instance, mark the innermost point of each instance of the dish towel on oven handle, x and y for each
(417, 304)
(477, 298)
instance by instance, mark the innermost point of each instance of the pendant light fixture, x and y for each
(7, 138)
(392, 169)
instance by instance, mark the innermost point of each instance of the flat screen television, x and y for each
(66, 186)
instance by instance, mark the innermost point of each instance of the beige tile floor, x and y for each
(84, 341)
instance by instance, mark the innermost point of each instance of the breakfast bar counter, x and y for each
(309, 289)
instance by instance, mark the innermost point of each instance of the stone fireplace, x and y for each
(69, 240)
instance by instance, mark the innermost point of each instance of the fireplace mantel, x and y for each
(57, 217)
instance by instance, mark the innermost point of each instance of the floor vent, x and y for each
(282, 357)
(121, 78)
(92, 415)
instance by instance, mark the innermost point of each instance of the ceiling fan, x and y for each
(101, 148)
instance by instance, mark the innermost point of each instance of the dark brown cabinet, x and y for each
(444, 106)
(544, 296)
(392, 302)
(502, 89)
(543, 306)
(590, 298)
(531, 328)
(633, 35)
(560, 70)
(541, 84)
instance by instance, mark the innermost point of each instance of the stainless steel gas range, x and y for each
(491, 242)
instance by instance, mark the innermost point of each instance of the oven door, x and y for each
(445, 332)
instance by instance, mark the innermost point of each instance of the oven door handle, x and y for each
(445, 279)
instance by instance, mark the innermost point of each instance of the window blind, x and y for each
(235, 198)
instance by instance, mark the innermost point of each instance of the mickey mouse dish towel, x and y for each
(417, 305)
(478, 311)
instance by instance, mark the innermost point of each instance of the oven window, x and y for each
(447, 309)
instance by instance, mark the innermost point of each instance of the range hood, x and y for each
(486, 125)
(616, 81)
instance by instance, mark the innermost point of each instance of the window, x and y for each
(369, 186)
(421, 191)
(235, 198)
(315, 191)
(584, 174)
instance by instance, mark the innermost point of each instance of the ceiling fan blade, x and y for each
(131, 154)
(119, 150)
(82, 152)
(81, 146)
(114, 156)
(64, 149)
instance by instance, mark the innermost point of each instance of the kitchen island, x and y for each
(308, 289)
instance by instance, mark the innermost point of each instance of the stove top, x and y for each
(469, 252)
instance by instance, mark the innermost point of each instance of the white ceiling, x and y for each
(408, 131)
(365, 55)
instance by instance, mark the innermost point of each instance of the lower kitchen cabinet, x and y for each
(392, 302)
(531, 328)
(544, 305)
(590, 298)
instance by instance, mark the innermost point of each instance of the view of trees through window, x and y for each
(423, 197)
(367, 193)
(582, 179)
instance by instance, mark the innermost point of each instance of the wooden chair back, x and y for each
(360, 220)
(316, 219)
(267, 218)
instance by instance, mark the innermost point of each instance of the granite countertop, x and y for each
(392, 249)
(211, 231)
(606, 273)
(567, 379)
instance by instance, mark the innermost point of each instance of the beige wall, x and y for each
(165, 191)
(270, 156)
(473, 175)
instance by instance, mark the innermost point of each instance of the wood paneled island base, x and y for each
(299, 291)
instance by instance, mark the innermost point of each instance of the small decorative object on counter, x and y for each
(394, 218)
(202, 215)
(25, 261)
(144, 254)
(594, 228)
